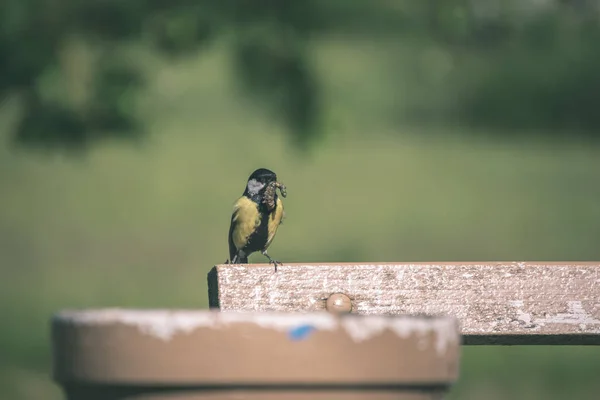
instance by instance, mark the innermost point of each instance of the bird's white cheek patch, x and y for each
(254, 186)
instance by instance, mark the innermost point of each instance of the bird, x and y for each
(256, 217)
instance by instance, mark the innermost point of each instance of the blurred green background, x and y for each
(404, 131)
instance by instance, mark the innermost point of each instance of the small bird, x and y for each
(256, 217)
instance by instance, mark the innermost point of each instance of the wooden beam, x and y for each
(503, 303)
(108, 354)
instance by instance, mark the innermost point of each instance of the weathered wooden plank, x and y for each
(110, 354)
(496, 302)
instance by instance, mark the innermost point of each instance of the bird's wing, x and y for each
(275, 219)
(244, 220)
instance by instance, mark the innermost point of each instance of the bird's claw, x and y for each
(271, 260)
(275, 263)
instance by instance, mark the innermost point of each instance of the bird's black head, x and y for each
(258, 181)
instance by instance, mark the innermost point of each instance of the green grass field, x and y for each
(141, 226)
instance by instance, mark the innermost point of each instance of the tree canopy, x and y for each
(271, 49)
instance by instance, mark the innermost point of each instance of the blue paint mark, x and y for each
(301, 332)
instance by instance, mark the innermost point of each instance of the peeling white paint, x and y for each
(257, 293)
(165, 324)
(273, 295)
(445, 329)
(575, 315)
(158, 323)
(527, 319)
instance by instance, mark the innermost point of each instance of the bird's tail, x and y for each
(240, 260)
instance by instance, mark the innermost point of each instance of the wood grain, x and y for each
(495, 302)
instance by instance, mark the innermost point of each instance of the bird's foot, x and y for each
(271, 260)
(275, 262)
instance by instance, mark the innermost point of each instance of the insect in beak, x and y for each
(282, 189)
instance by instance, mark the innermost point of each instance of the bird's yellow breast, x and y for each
(247, 219)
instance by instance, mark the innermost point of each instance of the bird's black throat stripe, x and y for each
(258, 238)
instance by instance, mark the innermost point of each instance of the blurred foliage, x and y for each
(269, 51)
(544, 77)
(538, 58)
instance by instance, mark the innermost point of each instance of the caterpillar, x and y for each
(269, 194)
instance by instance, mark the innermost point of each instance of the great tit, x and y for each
(256, 217)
